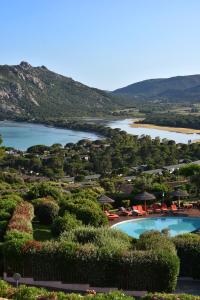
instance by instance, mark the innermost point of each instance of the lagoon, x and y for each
(23, 135)
(152, 132)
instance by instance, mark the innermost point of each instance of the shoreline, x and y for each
(166, 128)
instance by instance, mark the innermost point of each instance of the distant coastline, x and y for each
(166, 128)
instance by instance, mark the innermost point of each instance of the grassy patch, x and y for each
(41, 232)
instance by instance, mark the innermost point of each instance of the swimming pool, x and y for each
(176, 225)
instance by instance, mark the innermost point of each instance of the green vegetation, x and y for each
(188, 249)
(159, 296)
(37, 92)
(173, 120)
(32, 293)
(98, 256)
(118, 153)
(56, 230)
(41, 232)
(174, 89)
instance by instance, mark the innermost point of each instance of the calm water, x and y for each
(177, 137)
(23, 135)
(176, 225)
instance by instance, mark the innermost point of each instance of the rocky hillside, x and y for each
(39, 92)
(180, 88)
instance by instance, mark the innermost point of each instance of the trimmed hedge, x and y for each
(33, 293)
(135, 270)
(46, 210)
(19, 231)
(158, 296)
(21, 218)
(86, 256)
(188, 250)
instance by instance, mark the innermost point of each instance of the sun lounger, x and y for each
(138, 210)
(156, 208)
(149, 210)
(174, 208)
(111, 216)
(164, 207)
(125, 212)
(141, 210)
(135, 211)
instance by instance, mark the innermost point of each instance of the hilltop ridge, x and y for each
(36, 92)
(178, 88)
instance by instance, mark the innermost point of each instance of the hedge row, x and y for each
(7, 205)
(19, 231)
(188, 250)
(159, 296)
(21, 220)
(70, 262)
(33, 293)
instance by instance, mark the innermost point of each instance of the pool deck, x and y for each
(192, 212)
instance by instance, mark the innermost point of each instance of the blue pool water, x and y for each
(176, 225)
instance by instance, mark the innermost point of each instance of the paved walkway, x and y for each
(188, 286)
(184, 286)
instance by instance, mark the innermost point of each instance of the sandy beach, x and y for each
(173, 129)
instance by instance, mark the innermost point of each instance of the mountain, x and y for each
(179, 88)
(38, 92)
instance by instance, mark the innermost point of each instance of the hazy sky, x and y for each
(103, 43)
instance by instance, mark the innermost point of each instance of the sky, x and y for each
(106, 44)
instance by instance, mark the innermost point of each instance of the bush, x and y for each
(65, 223)
(159, 296)
(43, 190)
(188, 250)
(154, 240)
(3, 225)
(21, 219)
(4, 215)
(19, 230)
(107, 240)
(9, 202)
(32, 293)
(136, 270)
(46, 209)
(86, 210)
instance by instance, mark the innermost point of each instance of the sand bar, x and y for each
(166, 128)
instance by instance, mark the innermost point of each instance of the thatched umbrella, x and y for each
(103, 199)
(145, 197)
(180, 194)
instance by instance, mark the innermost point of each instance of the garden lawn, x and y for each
(41, 232)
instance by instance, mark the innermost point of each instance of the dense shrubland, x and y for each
(173, 120)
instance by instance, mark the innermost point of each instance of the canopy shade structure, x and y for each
(103, 199)
(180, 193)
(145, 197)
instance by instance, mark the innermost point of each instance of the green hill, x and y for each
(180, 88)
(38, 92)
